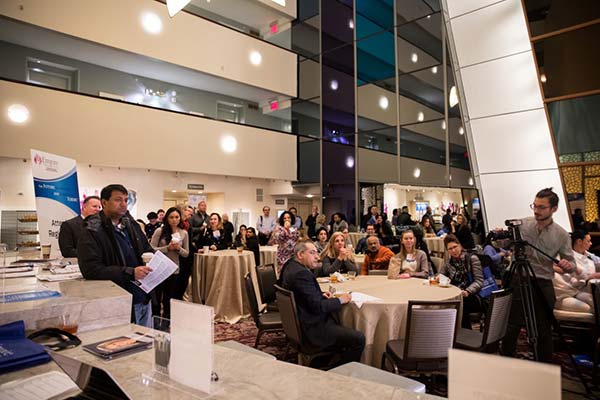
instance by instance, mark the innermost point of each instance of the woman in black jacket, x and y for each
(214, 234)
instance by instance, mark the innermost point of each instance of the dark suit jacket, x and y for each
(313, 309)
(68, 236)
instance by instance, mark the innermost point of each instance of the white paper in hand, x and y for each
(162, 268)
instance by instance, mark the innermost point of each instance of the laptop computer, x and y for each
(94, 382)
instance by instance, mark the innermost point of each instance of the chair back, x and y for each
(595, 286)
(496, 320)
(289, 316)
(251, 294)
(266, 277)
(431, 329)
(438, 263)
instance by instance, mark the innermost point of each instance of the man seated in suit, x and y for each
(71, 229)
(315, 307)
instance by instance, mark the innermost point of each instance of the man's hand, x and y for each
(404, 275)
(566, 265)
(327, 295)
(141, 272)
(345, 298)
(464, 293)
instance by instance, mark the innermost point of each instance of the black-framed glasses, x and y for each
(534, 207)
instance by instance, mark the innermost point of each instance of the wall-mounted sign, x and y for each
(280, 202)
(195, 186)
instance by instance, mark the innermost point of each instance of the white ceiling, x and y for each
(108, 57)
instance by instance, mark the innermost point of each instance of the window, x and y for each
(50, 74)
(230, 112)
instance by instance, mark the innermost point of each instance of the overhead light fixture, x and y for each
(255, 57)
(461, 131)
(333, 85)
(18, 113)
(420, 116)
(350, 24)
(383, 103)
(350, 162)
(470, 181)
(417, 173)
(151, 23)
(173, 191)
(453, 99)
(174, 6)
(444, 125)
(543, 78)
(228, 144)
(434, 70)
(310, 196)
(414, 57)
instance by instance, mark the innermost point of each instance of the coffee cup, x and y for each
(46, 251)
(205, 249)
(240, 249)
(146, 257)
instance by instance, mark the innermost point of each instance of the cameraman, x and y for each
(541, 231)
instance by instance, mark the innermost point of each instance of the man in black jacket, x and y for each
(70, 230)
(315, 307)
(111, 248)
(198, 223)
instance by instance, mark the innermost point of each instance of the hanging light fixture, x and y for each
(453, 98)
(174, 6)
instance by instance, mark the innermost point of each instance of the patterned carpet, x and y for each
(275, 344)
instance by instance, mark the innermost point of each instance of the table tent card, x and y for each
(191, 360)
(474, 375)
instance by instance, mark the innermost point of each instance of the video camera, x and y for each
(513, 232)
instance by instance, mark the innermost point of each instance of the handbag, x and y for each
(489, 281)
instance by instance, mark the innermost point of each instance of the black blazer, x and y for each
(68, 236)
(313, 309)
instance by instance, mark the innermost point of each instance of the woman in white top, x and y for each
(171, 239)
(410, 262)
(572, 291)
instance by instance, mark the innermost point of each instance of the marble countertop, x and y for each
(241, 376)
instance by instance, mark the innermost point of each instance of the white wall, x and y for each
(231, 193)
(104, 132)
(186, 40)
(501, 101)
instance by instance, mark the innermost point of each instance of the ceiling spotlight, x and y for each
(228, 144)
(151, 23)
(350, 162)
(174, 6)
(417, 173)
(434, 70)
(470, 181)
(310, 196)
(255, 57)
(461, 131)
(543, 78)
(383, 103)
(444, 125)
(173, 191)
(350, 24)
(453, 98)
(18, 113)
(334, 84)
(414, 57)
(420, 116)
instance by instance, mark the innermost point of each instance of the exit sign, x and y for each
(195, 186)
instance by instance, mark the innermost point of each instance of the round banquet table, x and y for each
(355, 237)
(218, 281)
(385, 320)
(268, 255)
(435, 245)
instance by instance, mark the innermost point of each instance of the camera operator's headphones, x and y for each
(65, 341)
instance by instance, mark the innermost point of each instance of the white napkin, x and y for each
(176, 238)
(360, 298)
(340, 277)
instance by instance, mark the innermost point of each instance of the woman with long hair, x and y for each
(336, 257)
(172, 239)
(214, 234)
(410, 262)
(384, 230)
(463, 232)
(251, 244)
(322, 239)
(427, 226)
(285, 236)
(240, 238)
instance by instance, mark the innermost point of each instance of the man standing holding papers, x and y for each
(111, 248)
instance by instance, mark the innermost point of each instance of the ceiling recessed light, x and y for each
(384, 102)
(461, 131)
(349, 161)
(173, 191)
(543, 78)
(453, 99)
(334, 84)
(470, 181)
(414, 57)
(434, 70)
(18, 113)
(228, 144)
(255, 57)
(417, 173)
(151, 23)
(444, 125)
(350, 24)
(310, 196)
(420, 116)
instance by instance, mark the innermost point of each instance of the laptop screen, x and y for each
(94, 382)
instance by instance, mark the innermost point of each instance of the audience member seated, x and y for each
(376, 257)
(361, 246)
(285, 237)
(426, 226)
(322, 239)
(252, 244)
(338, 222)
(316, 308)
(214, 235)
(420, 244)
(410, 262)
(297, 220)
(464, 271)
(240, 238)
(384, 230)
(336, 257)
(463, 232)
(496, 254)
(322, 223)
(572, 291)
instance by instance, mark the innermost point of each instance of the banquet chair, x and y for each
(494, 327)
(265, 322)
(595, 286)
(265, 274)
(291, 326)
(430, 332)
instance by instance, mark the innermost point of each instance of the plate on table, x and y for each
(323, 280)
(445, 286)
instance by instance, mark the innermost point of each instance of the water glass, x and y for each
(351, 275)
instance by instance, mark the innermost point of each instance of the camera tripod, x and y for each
(521, 278)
